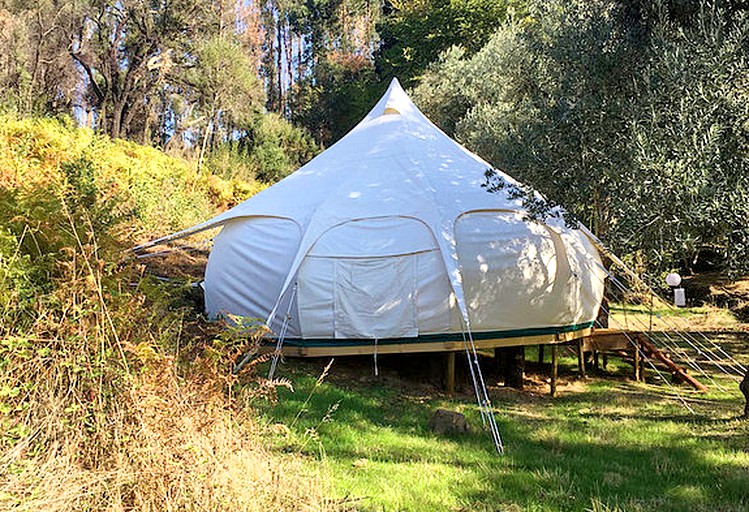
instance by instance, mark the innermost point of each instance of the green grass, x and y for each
(605, 444)
(664, 317)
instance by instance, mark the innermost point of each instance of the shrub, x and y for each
(268, 151)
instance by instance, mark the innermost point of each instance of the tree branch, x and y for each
(100, 95)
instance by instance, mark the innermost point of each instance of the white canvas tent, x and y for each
(388, 238)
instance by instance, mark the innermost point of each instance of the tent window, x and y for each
(390, 111)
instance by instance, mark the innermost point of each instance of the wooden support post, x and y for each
(499, 361)
(636, 360)
(511, 365)
(580, 359)
(605, 361)
(450, 373)
(595, 360)
(554, 367)
(541, 354)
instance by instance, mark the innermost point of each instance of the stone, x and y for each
(448, 422)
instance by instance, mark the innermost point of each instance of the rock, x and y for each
(448, 422)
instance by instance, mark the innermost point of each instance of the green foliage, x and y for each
(51, 194)
(268, 151)
(60, 183)
(414, 33)
(24, 279)
(330, 103)
(444, 92)
(100, 367)
(279, 148)
(303, 39)
(225, 81)
(690, 142)
(37, 75)
(229, 160)
(636, 125)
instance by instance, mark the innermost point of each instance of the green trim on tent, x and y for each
(432, 338)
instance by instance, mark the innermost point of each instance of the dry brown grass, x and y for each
(111, 400)
(171, 444)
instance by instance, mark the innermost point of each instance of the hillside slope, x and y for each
(112, 395)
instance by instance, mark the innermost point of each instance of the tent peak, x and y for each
(395, 87)
(395, 101)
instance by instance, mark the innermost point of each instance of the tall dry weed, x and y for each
(101, 412)
(113, 394)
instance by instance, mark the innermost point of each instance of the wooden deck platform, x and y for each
(436, 346)
(631, 345)
(608, 340)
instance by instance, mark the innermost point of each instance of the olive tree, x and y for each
(632, 119)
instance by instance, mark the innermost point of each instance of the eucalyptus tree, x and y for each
(123, 48)
(222, 84)
(330, 80)
(37, 75)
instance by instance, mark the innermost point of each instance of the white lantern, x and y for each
(673, 279)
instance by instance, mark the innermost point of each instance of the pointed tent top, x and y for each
(394, 101)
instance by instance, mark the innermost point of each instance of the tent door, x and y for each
(375, 297)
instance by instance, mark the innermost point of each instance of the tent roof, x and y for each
(394, 162)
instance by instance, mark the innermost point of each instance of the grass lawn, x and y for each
(604, 444)
(664, 317)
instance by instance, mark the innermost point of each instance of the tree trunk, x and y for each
(202, 147)
(511, 365)
(116, 122)
(744, 387)
(102, 121)
(279, 63)
(289, 42)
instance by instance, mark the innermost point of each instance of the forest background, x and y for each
(632, 114)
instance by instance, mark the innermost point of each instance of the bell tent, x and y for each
(388, 242)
